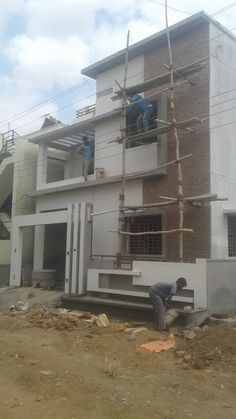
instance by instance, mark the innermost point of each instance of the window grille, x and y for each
(148, 244)
(231, 235)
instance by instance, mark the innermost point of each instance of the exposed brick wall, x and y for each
(190, 102)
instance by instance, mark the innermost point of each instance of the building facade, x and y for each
(75, 221)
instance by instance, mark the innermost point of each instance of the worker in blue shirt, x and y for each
(143, 108)
(86, 150)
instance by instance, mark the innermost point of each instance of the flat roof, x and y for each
(157, 39)
(54, 132)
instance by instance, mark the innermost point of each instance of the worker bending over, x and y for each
(161, 294)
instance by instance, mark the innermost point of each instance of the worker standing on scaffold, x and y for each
(144, 110)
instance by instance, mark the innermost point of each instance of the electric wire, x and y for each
(24, 113)
(229, 6)
(51, 98)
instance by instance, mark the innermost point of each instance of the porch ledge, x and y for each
(97, 183)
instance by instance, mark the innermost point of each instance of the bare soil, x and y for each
(89, 372)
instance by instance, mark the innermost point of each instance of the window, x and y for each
(231, 235)
(4, 233)
(131, 126)
(148, 244)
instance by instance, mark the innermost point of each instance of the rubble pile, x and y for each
(209, 347)
(53, 319)
(59, 319)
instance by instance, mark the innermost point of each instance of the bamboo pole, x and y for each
(93, 214)
(163, 79)
(163, 130)
(156, 93)
(122, 127)
(177, 142)
(155, 204)
(153, 233)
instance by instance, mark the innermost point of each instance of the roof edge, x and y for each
(160, 37)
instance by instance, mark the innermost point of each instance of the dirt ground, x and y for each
(100, 373)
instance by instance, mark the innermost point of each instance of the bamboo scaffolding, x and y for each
(123, 125)
(163, 78)
(153, 205)
(170, 124)
(153, 233)
(180, 74)
(156, 93)
(167, 78)
(163, 130)
(177, 142)
(170, 201)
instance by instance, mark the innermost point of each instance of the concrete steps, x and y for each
(130, 309)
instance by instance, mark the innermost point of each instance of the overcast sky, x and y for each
(45, 44)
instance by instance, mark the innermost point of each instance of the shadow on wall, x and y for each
(4, 275)
(223, 300)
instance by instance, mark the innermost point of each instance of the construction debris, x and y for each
(60, 319)
(135, 330)
(20, 306)
(211, 347)
(159, 345)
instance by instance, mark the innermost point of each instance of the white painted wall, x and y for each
(109, 156)
(102, 198)
(222, 135)
(221, 285)
(147, 273)
(106, 80)
(5, 252)
(24, 181)
(195, 274)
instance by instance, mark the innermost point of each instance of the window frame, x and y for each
(229, 218)
(145, 213)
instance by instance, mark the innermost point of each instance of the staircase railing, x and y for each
(8, 144)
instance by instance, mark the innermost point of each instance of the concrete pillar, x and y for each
(67, 170)
(84, 246)
(16, 255)
(42, 165)
(69, 236)
(75, 249)
(39, 236)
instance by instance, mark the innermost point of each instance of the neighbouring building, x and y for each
(81, 248)
(7, 150)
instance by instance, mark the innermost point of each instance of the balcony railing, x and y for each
(8, 144)
(86, 110)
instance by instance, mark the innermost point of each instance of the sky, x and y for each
(44, 44)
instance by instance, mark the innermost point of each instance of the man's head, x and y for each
(85, 139)
(181, 283)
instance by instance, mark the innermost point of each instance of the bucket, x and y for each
(171, 315)
(99, 172)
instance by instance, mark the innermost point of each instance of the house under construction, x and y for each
(152, 199)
